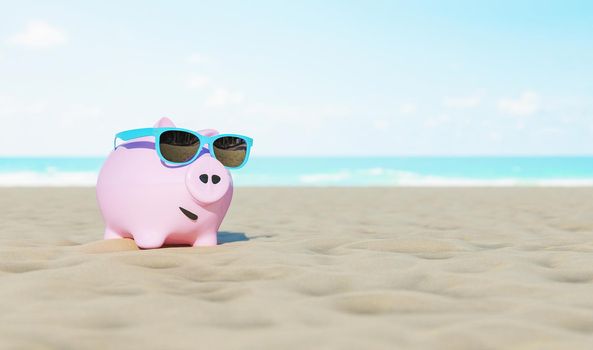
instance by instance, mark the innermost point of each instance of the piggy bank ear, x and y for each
(208, 132)
(164, 123)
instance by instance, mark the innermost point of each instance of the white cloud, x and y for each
(549, 132)
(381, 124)
(527, 104)
(39, 34)
(54, 121)
(462, 102)
(223, 97)
(197, 81)
(73, 114)
(11, 107)
(494, 136)
(197, 58)
(311, 117)
(407, 108)
(437, 121)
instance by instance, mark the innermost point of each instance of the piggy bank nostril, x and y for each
(215, 179)
(204, 178)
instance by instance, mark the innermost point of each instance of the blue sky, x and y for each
(301, 78)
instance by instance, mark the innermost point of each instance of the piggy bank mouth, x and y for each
(189, 214)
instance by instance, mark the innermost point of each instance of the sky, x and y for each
(303, 78)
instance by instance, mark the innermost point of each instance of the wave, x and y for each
(368, 177)
(48, 178)
(390, 177)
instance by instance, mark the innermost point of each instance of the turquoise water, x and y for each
(339, 171)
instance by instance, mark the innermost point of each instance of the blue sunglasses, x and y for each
(181, 146)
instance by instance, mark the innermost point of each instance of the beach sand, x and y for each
(379, 268)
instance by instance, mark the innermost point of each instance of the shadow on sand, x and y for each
(223, 238)
(229, 237)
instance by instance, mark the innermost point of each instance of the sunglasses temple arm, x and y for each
(133, 134)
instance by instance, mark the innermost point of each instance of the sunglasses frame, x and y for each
(204, 140)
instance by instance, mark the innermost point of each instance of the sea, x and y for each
(337, 171)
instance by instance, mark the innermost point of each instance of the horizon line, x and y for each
(336, 156)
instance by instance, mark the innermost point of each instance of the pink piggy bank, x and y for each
(156, 203)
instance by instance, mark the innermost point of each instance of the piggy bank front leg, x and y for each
(150, 240)
(113, 234)
(206, 239)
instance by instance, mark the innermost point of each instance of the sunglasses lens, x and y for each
(231, 151)
(178, 146)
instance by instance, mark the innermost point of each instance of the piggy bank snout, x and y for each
(214, 178)
(207, 180)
